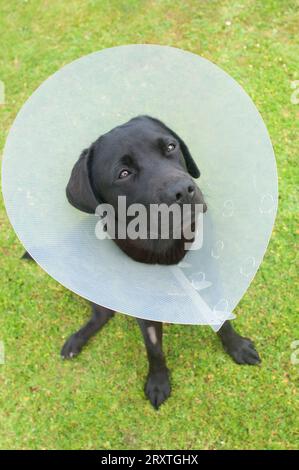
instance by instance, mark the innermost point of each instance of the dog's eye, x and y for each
(170, 147)
(124, 174)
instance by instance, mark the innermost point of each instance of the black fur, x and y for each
(140, 146)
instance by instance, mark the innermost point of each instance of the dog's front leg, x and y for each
(241, 349)
(157, 386)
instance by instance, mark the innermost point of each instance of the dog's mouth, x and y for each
(157, 222)
(164, 240)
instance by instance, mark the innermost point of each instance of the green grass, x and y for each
(97, 401)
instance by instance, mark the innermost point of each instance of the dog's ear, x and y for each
(192, 168)
(79, 191)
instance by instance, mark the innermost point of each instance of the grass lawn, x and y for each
(97, 401)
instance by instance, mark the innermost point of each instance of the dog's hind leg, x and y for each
(157, 387)
(241, 349)
(27, 255)
(100, 316)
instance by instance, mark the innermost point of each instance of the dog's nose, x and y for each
(183, 192)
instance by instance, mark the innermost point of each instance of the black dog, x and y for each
(148, 163)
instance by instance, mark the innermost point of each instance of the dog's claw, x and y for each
(157, 388)
(71, 348)
(242, 351)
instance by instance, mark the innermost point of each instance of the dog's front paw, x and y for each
(157, 387)
(242, 351)
(72, 347)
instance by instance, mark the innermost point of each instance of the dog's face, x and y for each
(143, 160)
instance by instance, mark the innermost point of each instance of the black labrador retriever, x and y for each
(148, 163)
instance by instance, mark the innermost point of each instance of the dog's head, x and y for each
(143, 160)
